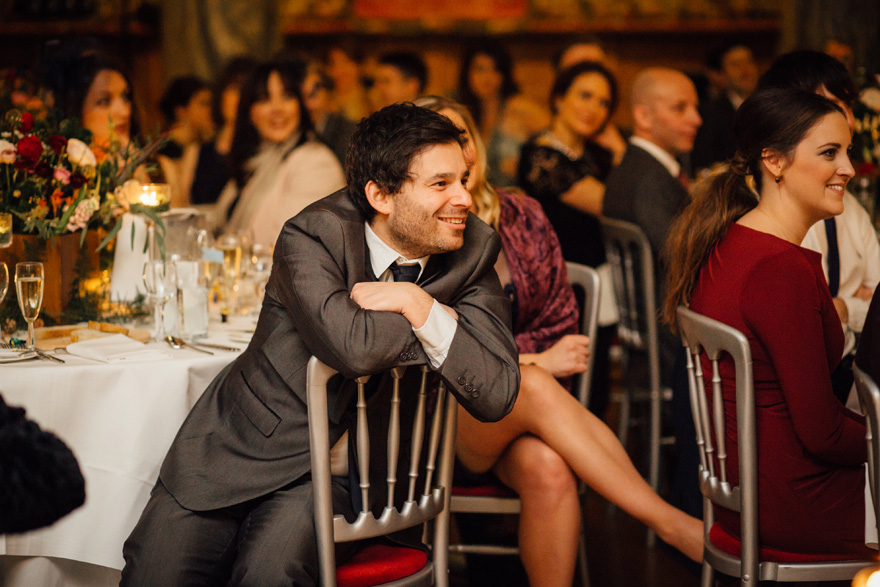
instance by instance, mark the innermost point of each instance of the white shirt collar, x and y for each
(658, 153)
(382, 256)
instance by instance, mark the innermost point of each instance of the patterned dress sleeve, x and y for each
(547, 309)
(782, 304)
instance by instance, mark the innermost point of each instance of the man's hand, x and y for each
(864, 293)
(566, 357)
(399, 297)
(842, 310)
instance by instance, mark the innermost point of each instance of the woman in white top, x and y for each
(278, 167)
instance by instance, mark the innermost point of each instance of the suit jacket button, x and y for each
(461, 380)
(412, 356)
(475, 394)
(404, 356)
(468, 388)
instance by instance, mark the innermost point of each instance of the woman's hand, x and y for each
(566, 357)
(586, 195)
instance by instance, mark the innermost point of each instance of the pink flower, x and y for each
(62, 175)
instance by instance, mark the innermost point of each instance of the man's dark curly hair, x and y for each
(384, 145)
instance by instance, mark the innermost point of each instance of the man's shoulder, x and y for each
(638, 171)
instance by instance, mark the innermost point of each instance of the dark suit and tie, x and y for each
(246, 440)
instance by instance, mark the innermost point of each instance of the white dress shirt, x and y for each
(659, 153)
(859, 261)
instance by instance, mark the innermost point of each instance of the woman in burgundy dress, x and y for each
(735, 256)
(549, 437)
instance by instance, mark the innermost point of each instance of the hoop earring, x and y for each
(778, 178)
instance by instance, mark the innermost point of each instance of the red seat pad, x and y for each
(380, 563)
(731, 545)
(484, 491)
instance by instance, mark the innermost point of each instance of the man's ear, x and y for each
(774, 161)
(642, 117)
(378, 199)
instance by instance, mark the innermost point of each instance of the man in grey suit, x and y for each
(233, 503)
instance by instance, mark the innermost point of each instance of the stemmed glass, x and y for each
(4, 280)
(159, 281)
(29, 287)
(230, 244)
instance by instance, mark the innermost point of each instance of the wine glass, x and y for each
(159, 279)
(29, 287)
(230, 245)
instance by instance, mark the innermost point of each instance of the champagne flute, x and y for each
(159, 279)
(230, 244)
(29, 287)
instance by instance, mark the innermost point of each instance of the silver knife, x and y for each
(216, 346)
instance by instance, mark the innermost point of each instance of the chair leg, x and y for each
(624, 398)
(654, 464)
(707, 578)
(583, 568)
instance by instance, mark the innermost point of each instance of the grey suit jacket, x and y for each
(248, 434)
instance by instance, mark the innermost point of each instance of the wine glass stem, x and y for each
(159, 320)
(31, 342)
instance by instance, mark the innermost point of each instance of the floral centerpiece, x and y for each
(57, 187)
(866, 150)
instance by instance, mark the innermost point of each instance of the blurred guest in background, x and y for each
(505, 117)
(212, 168)
(590, 49)
(400, 77)
(840, 50)
(349, 94)
(278, 166)
(332, 127)
(848, 242)
(85, 82)
(186, 108)
(566, 171)
(716, 141)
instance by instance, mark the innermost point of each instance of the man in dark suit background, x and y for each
(233, 503)
(647, 189)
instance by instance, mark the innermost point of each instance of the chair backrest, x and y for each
(632, 268)
(586, 279)
(426, 496)
(869, 399)
(702, 335)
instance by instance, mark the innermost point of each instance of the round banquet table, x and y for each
(119, 420)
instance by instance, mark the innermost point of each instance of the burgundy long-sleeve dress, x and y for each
(811, 449)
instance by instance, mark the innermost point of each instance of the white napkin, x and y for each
(115, 349)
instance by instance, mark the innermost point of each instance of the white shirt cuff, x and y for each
(436, 334)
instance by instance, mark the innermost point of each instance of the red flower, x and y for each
(77, 180)
(30, 148)
(57, 142)
(27, 122)
(866, 168)
(44, 170)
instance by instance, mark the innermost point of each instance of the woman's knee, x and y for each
(539, 390)
(543, 472)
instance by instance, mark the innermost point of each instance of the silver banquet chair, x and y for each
(495, 498)
(632, 267)
(422, 497)
(743, 558)
(869, 400)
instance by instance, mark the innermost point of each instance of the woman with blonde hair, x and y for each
(549, 438)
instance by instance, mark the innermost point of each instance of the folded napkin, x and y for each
(115, 349)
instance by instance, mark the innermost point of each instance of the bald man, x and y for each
(646, 188)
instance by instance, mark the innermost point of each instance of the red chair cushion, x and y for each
(380, 563)
(731, 545)
(495, 490)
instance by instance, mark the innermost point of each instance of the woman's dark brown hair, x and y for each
(776, 119)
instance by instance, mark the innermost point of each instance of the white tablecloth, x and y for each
(119, 421)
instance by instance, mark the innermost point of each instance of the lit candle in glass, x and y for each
(153, 194)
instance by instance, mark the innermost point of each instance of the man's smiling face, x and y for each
(427, 216)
